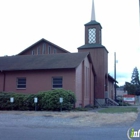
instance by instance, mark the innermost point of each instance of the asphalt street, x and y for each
(109, 133)
(31, 132)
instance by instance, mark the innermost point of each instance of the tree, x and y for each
(135, 77)
(134, 86)
(130, 88)
(135, 81)
(137, 91)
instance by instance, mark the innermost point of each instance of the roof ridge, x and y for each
(40, 41)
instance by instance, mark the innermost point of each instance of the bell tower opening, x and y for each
(92, 35)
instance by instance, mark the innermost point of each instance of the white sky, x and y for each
(24, 22)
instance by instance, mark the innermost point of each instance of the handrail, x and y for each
(109, 101)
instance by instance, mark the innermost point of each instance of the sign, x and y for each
(61, 100)
(129, 99)
(35, 100)
(11, 99)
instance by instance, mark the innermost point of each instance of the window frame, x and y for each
(58, 84)
(23, 84)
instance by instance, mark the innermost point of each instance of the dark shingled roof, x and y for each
(40, 62)
(92, 46)
(111, 78)
(44, 41)
(93, 22)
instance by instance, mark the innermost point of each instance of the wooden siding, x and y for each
(1, 81)
(38, 49)
(84, 84)
(38, 80)
(100, 62)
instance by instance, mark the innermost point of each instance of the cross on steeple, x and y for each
(93, 11)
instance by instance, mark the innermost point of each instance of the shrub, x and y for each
(48, 100)
(5, 101)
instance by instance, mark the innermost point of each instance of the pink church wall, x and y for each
(84, 84)
(1, 81)
(78, 82)
(39, 80)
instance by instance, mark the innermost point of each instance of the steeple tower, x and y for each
(93, 29)
(99, 55)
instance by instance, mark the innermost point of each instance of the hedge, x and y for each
(47, 100)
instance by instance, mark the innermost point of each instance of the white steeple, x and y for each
(93, 11)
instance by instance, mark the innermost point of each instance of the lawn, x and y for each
(118, 110)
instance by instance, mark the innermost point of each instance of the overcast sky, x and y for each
(24, 22)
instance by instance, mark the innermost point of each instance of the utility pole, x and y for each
(139, 11)
(115, 72)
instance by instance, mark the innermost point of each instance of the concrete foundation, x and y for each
(100, 101)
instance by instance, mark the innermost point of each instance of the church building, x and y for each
(45, 66)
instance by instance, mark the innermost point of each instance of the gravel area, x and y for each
(63, 119)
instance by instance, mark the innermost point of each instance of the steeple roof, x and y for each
(93, 19)
(93, 22)
(93, 11)
(92, 46)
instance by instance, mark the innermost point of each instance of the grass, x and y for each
(80, 109)
(118, 110)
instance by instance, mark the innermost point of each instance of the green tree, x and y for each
(134, 86)
(130, 88)
(135, 78)
(135, 81)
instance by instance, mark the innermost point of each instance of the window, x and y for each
(57, 82)
(44, 49)
(21, 83)
(49, 49)
(91, 35)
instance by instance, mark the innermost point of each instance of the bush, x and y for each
(5, 101)
(48, 100)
